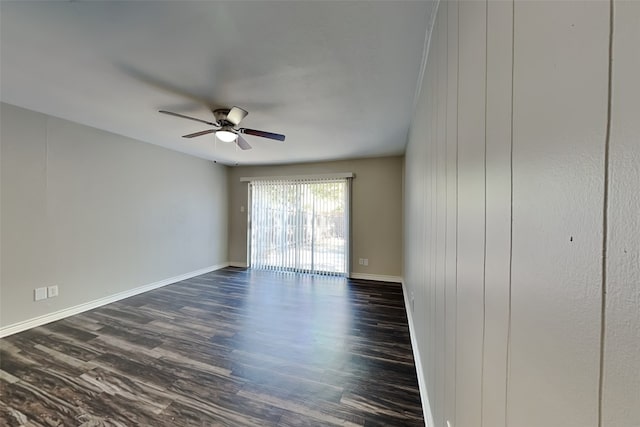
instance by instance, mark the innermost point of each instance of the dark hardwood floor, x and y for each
(229, 348)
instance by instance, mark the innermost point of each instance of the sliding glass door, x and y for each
(300, 225)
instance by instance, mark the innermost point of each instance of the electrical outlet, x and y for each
(361, 261)
(40, 294)
(365, 262)
(241, 208)
(52, 291)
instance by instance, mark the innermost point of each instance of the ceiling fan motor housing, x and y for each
(221, 116)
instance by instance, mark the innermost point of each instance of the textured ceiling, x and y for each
(337, 78)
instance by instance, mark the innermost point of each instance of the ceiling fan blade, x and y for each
(203, 132)
(187, 117)
(242, 143)
(262, 133)
(236, 114)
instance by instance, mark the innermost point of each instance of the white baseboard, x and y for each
(66, 312)
(237, 264)
(424, 396)
(376, 277)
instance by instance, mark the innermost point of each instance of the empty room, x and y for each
(320, 213)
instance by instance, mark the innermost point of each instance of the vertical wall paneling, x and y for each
(427, 309)
(560, 112)
(449, 11)
(621, 367)
(432, 197)
(440, 50)
(471, 207)
(498, 210)
(505, 202)
(417, 213)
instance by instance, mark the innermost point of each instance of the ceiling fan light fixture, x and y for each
(226, 129)
(226, 136)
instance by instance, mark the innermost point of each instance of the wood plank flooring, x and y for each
(229, 348)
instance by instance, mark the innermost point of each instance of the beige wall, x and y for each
(505, 178)
(98, 214)
(376, 209)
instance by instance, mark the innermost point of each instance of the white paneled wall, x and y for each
(559, 133)
(447, 409)
(506, 210)
(498, 211)
(471, 210)
(621, 382)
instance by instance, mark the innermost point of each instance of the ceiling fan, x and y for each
(226, 127)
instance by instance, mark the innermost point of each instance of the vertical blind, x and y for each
(300, 225)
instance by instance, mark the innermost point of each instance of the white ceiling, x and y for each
(338, 78)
